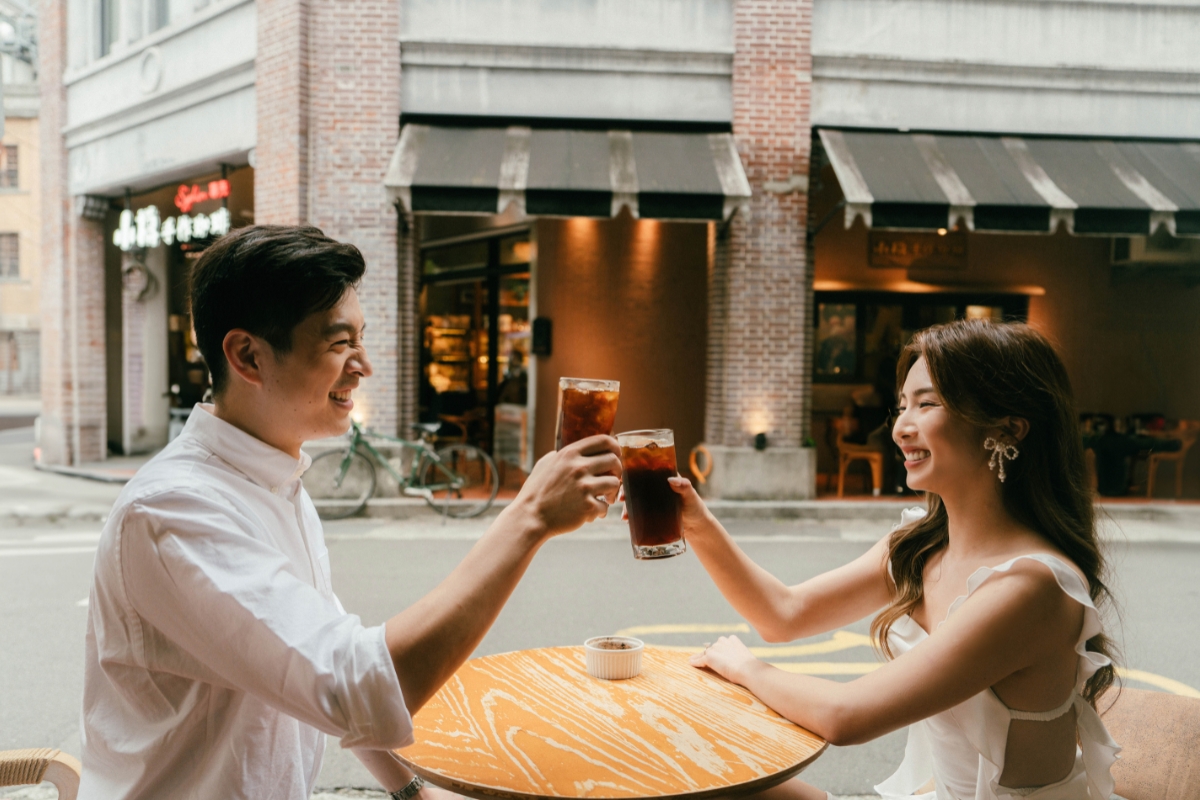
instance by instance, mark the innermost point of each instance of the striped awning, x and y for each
(1004, 183)
(566, 173)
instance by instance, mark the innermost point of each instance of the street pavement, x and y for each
(580, 585)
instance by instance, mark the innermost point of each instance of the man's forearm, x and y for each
(431, 639)
(385, 768)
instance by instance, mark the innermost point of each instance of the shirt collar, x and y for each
(263, 464)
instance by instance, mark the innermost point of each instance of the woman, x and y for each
(986, 603)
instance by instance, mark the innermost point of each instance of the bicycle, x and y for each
(459, 480)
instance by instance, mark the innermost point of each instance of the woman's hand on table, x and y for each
(727, 657)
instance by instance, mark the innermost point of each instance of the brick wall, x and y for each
(760, 282)
(281, 93)
(73, 426)
(328, 84)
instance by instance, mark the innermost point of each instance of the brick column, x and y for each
(328, 120)
(281, 171)
(759, 364)
(73, 424)
(355, 124)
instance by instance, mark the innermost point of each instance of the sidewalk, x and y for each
(29, 495)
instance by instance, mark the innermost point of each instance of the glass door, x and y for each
(474, 308)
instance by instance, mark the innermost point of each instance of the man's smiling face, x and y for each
(312, 383)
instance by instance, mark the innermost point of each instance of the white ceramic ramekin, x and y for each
(614, 663)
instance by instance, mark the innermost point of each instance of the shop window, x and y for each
(160, 14)
(476, 287)
(10, 176)
(837, 350)
(994, 313)
(860, 334)
(10, 256)
(109, 25)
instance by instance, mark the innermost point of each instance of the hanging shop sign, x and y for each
(188, 196)
(146, 228)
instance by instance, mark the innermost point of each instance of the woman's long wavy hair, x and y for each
(984, 372)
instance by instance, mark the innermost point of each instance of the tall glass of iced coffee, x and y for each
(653, 507)
(585, 408)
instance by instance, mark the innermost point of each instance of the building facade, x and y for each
(689, 196)
(20, 231)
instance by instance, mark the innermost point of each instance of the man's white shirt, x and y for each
(217, 654)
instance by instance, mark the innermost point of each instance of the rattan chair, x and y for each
(1158, 733)
(21, 767)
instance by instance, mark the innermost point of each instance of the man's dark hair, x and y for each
(265, 279)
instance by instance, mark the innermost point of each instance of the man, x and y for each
(217, 653)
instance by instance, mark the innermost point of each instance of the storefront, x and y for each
(1094, 242)
(550, 253)
(155, 370)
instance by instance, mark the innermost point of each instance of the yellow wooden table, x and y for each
(534, 724)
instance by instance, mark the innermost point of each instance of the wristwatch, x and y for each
(409, 791)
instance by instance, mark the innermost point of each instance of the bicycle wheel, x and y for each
(338, 489)
(461, 480)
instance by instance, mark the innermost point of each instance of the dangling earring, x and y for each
(1001, 453)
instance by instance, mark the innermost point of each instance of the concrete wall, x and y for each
(1130, 345)
(1085, 67)
(163, 105)
(600, 59)
(627, 299)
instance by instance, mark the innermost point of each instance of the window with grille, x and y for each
(10, 256)
(9, 177)
(109, 25)
(160, 14)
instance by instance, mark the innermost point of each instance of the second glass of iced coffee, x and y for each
(653, 507)
(586, 408)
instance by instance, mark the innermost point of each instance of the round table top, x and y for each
(535, 724)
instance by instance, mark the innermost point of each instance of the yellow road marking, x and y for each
(842, 640)
(846, 640)
(827, 667)
(1173, 686)
(645, 630)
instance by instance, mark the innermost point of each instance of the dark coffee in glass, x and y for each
(654, 509)
(585, 408)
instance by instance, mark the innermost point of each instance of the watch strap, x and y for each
(409, 791)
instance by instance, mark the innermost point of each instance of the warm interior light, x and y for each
(915, 287)
(358, 417)
(758, 421)
(522, 252)
(941, 231)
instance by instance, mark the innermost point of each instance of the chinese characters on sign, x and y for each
(913, 250)
(146, 228)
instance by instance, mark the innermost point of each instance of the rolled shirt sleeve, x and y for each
(195, 574)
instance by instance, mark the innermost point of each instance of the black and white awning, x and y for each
(567, 173)
(1003, 183)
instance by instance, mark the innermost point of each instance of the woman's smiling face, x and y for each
(941, 450)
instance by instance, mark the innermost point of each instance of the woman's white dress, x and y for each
(962, 748)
